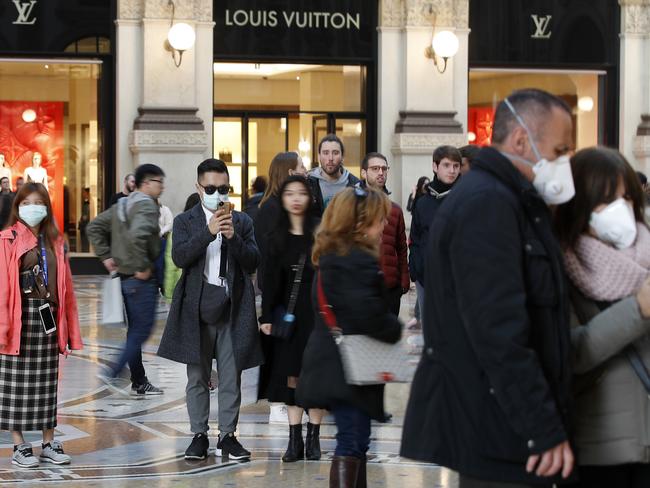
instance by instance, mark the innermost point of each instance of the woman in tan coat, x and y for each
(607, 255)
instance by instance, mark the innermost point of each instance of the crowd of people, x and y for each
(532, 269)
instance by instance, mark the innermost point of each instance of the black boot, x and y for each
(312, 448)
(344, 472)
(362, 481)
(296, 447)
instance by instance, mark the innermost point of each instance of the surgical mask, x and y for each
(553, 179)
(211, 202)
(32, 215)
(615, 224)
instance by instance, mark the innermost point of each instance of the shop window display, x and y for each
(49, 134)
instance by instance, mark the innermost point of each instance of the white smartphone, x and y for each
(47, 318)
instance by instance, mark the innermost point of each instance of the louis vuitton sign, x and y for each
(49, 26)
(260, 29)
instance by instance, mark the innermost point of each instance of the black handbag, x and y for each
(284, 320)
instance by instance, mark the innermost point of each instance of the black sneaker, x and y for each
(198, 448)
(229, 446)
(146, 389)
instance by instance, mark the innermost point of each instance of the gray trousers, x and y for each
(216, 342)
(420, 301)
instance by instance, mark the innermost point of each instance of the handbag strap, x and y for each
(325, 308)
(638, 366)
(293, 299)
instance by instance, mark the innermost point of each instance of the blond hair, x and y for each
(346, 220)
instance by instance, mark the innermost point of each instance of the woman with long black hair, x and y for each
(288, 276)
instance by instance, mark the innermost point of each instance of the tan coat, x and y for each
(611, 405)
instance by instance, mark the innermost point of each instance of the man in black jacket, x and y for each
(446, 169)
(490, 397)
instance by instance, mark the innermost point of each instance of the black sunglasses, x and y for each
(210, 189)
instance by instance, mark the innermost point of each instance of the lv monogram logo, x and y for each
(541, 26)
(24, 12)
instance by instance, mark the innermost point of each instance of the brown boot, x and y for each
(344, 471)
(362, 481)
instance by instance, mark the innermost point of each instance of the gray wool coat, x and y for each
(181, 339)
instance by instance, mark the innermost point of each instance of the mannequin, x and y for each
(5, 171)
(36, 174)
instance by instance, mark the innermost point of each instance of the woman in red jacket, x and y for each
(38, 320)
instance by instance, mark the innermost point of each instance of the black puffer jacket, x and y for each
(493, 384)
(354, 287)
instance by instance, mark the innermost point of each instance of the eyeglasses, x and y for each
(157, 181)
(210, 189)
(377, 169)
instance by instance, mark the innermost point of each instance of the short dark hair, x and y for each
(642, 177)
(449, 152)
(259, 184)
(3, 178)
(531, 105)
(145, 172)
(470, 151)
(369, 156)
(332, 138)
(87, 188)
(191, 201)
(128, 176)
(211, 165)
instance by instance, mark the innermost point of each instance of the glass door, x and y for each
(228, 146)
(266, 136)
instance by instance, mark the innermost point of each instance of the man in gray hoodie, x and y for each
(330, 177)
(125, 238)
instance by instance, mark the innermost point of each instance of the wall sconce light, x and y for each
(585, 104)
(445, 45)
(304, 146)
(180, 38)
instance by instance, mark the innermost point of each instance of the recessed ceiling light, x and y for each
(298, 78)
(47, 66)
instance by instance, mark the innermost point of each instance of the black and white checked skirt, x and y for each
(28, 382)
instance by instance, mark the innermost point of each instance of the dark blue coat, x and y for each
(492, 386)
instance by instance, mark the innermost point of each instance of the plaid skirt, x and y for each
(29, 381)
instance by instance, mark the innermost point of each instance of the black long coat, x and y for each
(492, 386)
(181, 339)
(354, 287)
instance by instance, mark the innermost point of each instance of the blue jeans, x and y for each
(352, 431)
(140, 299)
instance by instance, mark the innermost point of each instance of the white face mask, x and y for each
(615, 224)
(211, 202)
(553, 179)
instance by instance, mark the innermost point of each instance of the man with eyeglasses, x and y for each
(212, 315)
(125, 237)
(393, 256)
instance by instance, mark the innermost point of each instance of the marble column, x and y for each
(419, 108)
(164, 111)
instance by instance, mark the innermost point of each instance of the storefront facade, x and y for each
(56, 104)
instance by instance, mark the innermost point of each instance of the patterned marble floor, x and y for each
(120, 441)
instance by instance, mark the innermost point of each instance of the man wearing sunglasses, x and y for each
(125, 237)
(212, 315)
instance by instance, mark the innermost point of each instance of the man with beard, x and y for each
(331, 177)
(394, 251)
(129, 187)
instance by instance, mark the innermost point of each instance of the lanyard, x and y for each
(43, 259)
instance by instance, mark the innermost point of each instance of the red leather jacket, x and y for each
(393, 257)
(14, 243)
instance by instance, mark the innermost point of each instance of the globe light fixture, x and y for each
(180, 38)
(29, 115)
(585, 104)
(443, 45)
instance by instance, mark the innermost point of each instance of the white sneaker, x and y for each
(53, 453)
(23, 456)
(278, 414)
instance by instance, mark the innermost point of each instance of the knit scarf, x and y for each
(603, 273)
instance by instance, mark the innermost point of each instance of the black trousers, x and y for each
(394, 299)
(620, 476)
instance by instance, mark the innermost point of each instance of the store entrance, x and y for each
(263, 109)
